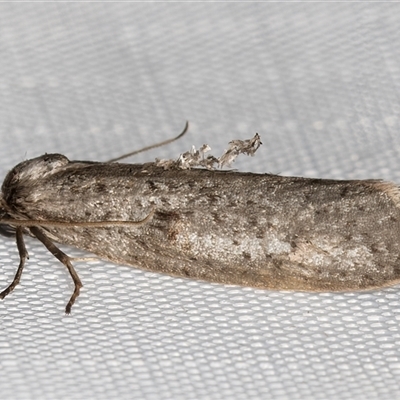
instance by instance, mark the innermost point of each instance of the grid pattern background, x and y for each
(320, 82)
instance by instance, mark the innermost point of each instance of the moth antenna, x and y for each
(83, 224)
(153, 146)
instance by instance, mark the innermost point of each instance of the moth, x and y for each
(188, 219)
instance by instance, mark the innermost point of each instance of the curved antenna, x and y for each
(153, 146)
(85, 224)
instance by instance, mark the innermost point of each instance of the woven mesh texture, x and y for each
(319, 82)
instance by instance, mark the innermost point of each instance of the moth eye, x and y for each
(14, 177)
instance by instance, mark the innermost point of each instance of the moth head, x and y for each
(35, 168)
(24, 176)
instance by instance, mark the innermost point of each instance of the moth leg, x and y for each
(61, 256)
(23, 255)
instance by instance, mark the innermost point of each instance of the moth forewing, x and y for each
(182, 217)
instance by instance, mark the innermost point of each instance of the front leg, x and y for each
(23, 255)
